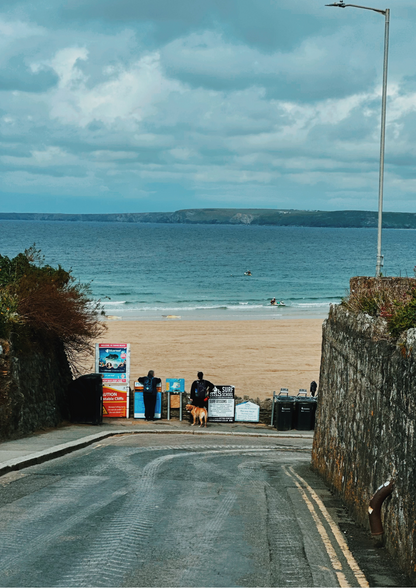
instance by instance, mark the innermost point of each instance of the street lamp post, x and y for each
(386, 14)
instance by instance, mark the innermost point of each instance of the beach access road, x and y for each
(178, 510)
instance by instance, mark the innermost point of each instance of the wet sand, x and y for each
(256, 357)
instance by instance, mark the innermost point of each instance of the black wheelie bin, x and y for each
(85, 395)
(285, 411)
(305, 413)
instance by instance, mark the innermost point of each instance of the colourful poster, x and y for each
(112, 361)
(115, 401)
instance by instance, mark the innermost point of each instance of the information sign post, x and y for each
(247, 412)
(174, 386)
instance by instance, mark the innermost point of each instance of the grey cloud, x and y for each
(58, 172)
(268, 25)
(18, 76)
(318, 68)
(357, 128)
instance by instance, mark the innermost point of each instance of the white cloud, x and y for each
(128, 96)
(49, 157)
(13, 30)
(27, 182)
(181, 153)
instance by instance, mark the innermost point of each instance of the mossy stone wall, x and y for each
(33, 388)
(365, 430)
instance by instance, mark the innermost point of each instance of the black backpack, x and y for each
(201, 389)
(147, 386)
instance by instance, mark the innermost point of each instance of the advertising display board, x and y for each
(139, 401)
(247, 412)
(115, 401)
(112, 361)
(221, 404)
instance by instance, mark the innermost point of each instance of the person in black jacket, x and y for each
(150, 384)
(200, 390)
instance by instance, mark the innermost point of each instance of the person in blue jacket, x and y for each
(150, 384)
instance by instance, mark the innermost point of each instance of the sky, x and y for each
(113, 106)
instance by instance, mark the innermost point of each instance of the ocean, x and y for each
(167, 271)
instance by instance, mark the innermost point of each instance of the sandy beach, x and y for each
(256, 357)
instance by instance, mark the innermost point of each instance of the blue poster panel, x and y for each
(175, 385)
(139, 405)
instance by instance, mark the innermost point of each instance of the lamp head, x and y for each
(340, 4)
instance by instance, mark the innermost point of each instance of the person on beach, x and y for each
(150, 384)
(313, 388)
(200, 390)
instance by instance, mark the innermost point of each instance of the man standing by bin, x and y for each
(200, 390)
(150, 384)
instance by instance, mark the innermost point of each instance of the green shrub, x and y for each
(403, 319)
(391, 299)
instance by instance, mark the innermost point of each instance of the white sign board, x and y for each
(221, 404)
(248, 412)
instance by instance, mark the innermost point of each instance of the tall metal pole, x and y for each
(382, 143)
(386, 12)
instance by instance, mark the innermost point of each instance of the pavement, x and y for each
(48, 444)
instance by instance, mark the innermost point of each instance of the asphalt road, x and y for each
(174, 510)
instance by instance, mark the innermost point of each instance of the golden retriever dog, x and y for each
(197, 413)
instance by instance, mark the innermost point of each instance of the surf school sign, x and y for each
(112, 361)
(221, 404)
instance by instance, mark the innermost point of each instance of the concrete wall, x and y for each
(365, 431)
(33, 386)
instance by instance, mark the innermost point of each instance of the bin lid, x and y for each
(95, 376)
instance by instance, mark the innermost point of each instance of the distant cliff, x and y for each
(239, 216)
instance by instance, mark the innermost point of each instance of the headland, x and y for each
(238, 216)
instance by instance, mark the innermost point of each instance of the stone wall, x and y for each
(365, 431)
(33, 387)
